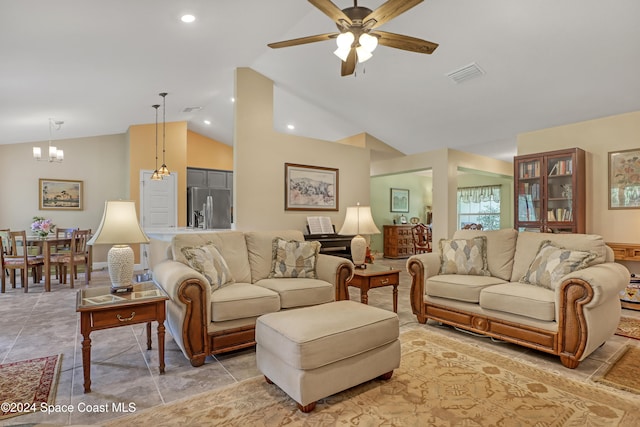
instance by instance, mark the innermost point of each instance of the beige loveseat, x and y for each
(570, 317)
(205, 321)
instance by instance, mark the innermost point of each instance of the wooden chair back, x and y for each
(19, 259)
(472, 226)
(421, 238)
(77, 256)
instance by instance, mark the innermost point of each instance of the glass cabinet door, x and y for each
(528, 200)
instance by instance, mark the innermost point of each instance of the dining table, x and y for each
(46, 244)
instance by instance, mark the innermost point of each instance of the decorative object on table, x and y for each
(60, 194)
(624, 179)
(28, 384)
(54, 155)
(42, 226)
(310, 188)
(399, 200)
(414, 220)
(155, 176)
(403, 219)
(164, 170)
(356, 38)
(119, 227)
(359, 220)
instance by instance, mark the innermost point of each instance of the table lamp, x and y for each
(359, 220)
(119, 227)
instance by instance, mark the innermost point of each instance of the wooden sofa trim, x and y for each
(569, 342)
(197, 341)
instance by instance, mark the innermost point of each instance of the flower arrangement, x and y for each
(42, 226)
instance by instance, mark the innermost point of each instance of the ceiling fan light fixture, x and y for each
(342, 53)
(368, 42)
(363, 54)
(344, 42)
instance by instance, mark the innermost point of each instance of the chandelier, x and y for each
(156, 176)
(55, 155)
(164, 170)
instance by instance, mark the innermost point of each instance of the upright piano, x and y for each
(332, 243)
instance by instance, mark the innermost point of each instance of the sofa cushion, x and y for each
(231, 244)
(501, 246)
(207, 261)
(459, 287)
(242, 300)
(300, 292)
(552, 263)
(294, 259)
(260, 249)
(521, 299)
(529, 242)
(464, 256)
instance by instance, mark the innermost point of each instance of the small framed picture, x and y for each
(310, 188)
(624, 179)
(60, 194)
(399, 200)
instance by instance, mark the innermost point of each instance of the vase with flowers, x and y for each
(42, 226)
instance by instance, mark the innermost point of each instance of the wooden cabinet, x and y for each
(398, 241)
(625, 251)
(550, 191)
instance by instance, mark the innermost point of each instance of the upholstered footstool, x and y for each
(314, 352)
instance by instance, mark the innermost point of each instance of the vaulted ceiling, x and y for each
(99, 66)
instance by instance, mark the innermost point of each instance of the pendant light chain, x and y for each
(164, 170)
(156, 176)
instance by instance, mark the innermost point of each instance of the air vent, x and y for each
(191, 109)
(465, 73)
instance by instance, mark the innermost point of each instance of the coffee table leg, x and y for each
(86, 350)
(148, 335)
(395, 298)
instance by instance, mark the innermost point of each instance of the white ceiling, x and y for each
(99, 65)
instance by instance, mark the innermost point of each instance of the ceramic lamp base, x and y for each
(358, 250)
(120, 262)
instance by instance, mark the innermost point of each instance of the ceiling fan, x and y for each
(356, 39)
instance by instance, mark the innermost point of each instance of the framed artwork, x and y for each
(310, 188)
(624, 179)
(399, 200)
(60, 194)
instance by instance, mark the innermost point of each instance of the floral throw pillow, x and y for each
(552, 262)
(464, 256)
(294, 259)
(208, 261)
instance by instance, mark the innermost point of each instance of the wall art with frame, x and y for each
(60, 194)
(310, 188)
(399, 200)
(624, 179)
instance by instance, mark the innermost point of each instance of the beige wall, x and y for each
(260, 154)
(597, 137)
(203, 152)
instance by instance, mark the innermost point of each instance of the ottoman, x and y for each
(314, 352)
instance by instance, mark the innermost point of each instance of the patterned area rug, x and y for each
(629, 327)
(440, 382)
(624, 373)
(26, 384)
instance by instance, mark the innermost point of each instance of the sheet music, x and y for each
(319, 225)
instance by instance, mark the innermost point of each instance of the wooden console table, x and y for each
(99, 309)
(375, 276)
(627, 252)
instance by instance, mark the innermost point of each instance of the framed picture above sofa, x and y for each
(310, 188)
(624, 179)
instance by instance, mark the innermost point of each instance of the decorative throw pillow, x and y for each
(464, 256)
(552, 262)
(294, 259)
(208, 261)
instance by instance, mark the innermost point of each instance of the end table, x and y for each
(376, 276)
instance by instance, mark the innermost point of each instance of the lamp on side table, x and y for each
(359, 220)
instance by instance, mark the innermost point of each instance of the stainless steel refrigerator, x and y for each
(217, 215)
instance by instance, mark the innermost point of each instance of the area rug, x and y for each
(26, 384)
(624, 373)
(441, 382)
(629, 327)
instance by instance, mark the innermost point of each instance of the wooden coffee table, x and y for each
(376, 276)
(100, 309)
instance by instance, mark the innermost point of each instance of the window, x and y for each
(479, 205)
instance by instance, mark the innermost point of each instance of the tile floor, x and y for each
(123, 372)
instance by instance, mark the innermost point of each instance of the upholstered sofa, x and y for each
(525, 292)
(210, 313)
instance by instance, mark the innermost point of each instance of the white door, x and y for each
(158, 205)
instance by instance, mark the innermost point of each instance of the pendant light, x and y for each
(54, 155)
(156, 176)
(164, 170)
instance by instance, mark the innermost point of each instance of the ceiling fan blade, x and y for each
(349, 66)
(400, 41)
(303, 40)
(389, 10)
(331, 10)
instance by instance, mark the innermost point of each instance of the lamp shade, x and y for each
(119, 225)
(359, 221)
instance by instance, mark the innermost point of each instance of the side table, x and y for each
(100, 309)
(376, 276)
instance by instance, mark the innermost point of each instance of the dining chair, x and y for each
(421, 238)
(63, 233)
(472, 226)
(5, 245)
(19, 259)
(78, 255)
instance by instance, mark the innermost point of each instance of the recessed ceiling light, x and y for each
(233, 99)
(291, 127)
(207, 122)
(188, 18)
